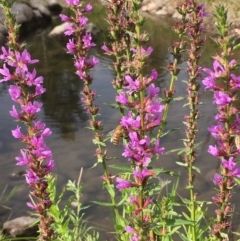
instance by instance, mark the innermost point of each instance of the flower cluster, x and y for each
(143, 116)
(36, 156)
(226, 133)
(79, 44)
(118, 15)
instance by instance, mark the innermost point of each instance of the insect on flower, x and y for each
(118, 133)
(237, 141)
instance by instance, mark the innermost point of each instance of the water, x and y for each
(71, 141)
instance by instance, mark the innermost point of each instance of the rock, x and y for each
(152, 6)
(32, 16)
(24, 226)
(54, 7)
(40, 6)
(60, 29)
(162, 12)
(177, 15)
(58, 32)
(22, 12)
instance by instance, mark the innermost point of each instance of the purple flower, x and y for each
(32, 206)
(88, 8)
(14, 92)
(219, 70)
(24, 160)
(216, 131)
(235, 81)
(72, 2)
(144, 51)
(69, 29)
(209, 82)
(14, 112)
(130, 230)
(157, 149)
(106, 49)
(217, 179)
(133, 85)
(147, 51)
(17, 133)
(87, 40)
(50, 165)
(202, 11)
(6, 54)
(79, 64)
(32, 107)
(5, 72)
(231, 166)
(23, 60)
(46, 132)
(39, 90)
(221, 98)
(71, 46)
(153, 90)
(83, 21)
(32, 80)
(64, 17)
(93, 61)
(31, 177)
(213, 150)
(122, 98)
(154, 74)
(122, 184)
(130, 122)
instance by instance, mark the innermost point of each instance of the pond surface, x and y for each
(71, 141)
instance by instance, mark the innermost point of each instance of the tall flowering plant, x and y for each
(139, 97)
(225, 85)
(193, 14)
(25, 88)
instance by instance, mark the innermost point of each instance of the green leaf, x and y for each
(167, 132)
(236, 46)
(103, 203)
(121, 168)
(123, 200)
(95, 142)
(114, 106)
(196, 169)
(182, 164)
(178, 222)
(176, 150)
(111, 190)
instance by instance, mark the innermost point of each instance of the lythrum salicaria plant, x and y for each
(25, 88)
(225, 85)
(193, 15)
